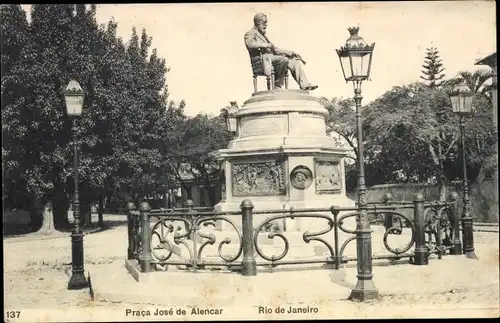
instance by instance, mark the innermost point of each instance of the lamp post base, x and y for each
(365, 290)
(78, 281)
(457, 248)
(471, 255)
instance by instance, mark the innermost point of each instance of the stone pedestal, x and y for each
(283, 158)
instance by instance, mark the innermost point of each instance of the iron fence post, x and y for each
(190, 205)
(456, 249)
(248, 265)
(336, 236)
(387, 199)
(130, 226)
(439, 241)
(192, 234)
(145, 258)
(421, 253)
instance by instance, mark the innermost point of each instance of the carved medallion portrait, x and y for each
(301, 177)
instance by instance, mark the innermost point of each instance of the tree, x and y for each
(139, 170)
(342, 121)
(119, 128)
(14, 37)
(37, 127)
(412, 109)
(381, 164)
(481, 140)
(197, 138)
(425, 117)
(433, 68)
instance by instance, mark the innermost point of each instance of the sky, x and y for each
(209, 65)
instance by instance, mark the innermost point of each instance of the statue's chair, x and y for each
(265, 69)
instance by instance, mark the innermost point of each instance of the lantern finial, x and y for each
(353, 30)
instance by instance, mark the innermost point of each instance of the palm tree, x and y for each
(476, 80)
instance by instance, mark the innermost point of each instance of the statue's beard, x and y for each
(262, 31)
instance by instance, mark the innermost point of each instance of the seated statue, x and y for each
(262, 51)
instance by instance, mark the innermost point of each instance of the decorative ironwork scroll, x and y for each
(328, 176)
(438, 229)
(174, 234)
(184, 238)
(307, 236)
(258, 179)
(399, 223)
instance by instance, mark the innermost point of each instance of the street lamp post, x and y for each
(355, 59)
(230, 117)
(461, 101)
(74, 96)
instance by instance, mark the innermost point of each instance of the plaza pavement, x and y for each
(36, 275)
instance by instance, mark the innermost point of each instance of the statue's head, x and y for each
(260, 22)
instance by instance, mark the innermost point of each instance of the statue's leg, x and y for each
(298, 73)
(280, 64)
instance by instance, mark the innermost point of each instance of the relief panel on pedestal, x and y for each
(328, 176)
(258, 179)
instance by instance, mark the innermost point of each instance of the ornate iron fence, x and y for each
(188, 238)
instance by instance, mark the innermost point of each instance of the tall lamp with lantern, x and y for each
(356, 59)
(461, 101)
(74, 97)
(230, 117)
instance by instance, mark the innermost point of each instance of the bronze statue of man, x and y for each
(259, 47)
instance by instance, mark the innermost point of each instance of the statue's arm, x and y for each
(284, 52)
(253, 43)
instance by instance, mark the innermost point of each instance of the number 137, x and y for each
(13, 314)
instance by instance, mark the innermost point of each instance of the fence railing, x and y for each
(191, 237)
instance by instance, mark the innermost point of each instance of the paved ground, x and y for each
(36, 273)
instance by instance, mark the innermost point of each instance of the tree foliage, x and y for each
(433, 68)
(412, 135)
(124, 112)
(341, 120)
(197, 138)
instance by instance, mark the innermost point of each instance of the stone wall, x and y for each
(482, 196)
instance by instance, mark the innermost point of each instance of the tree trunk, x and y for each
(48, 219)
(101, 210)
(441, 178)
(107, 201)
(36, 217)
(88, 214)
(442, 183)
(85, 212)
(187, 188)
(60, 208)
(211, 195)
